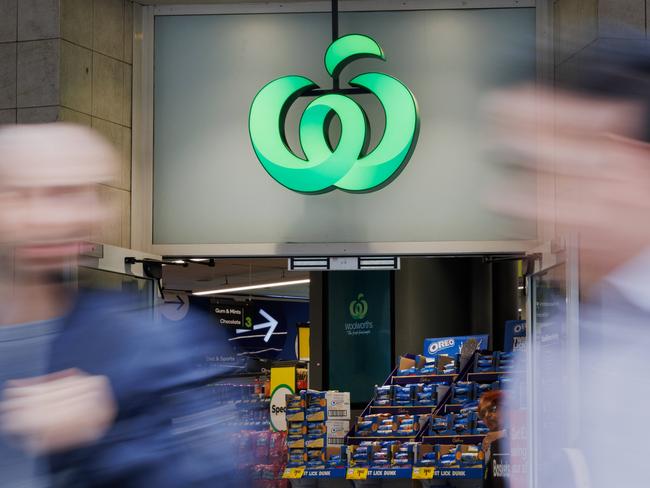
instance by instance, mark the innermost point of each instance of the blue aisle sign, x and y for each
(451, 345)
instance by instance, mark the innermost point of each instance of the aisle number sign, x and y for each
(344, 165)
(357, 474)
(423, 473)
(293, 473)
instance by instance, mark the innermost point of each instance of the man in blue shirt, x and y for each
(94, 392)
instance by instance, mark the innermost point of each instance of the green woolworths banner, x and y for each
(359, 325)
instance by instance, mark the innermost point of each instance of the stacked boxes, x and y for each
(464, 423)
(310, 430)
(450, 456)
(484, 362)
(403, 395)
(384, 454)
(464, 391)
(336, 431)
(387, 425)
(338, 405)
(417, 394)
(383, 396)
(498, 361)
(429, 394)
(504, 361)
(337, 457)
(442, 364)
(403, 454)
(361, 456)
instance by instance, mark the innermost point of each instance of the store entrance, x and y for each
(354, 331)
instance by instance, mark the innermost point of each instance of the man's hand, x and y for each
(57, 412)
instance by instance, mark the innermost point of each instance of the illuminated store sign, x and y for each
(346, 166)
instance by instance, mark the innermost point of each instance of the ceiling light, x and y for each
(251, 287)
(199, 260)
(178, 261)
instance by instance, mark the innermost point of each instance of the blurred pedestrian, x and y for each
(588, 139)
(93, 390)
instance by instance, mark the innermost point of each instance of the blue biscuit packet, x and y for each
(407, 372)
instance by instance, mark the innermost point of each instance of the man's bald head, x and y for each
(49, 200)
(54, 154)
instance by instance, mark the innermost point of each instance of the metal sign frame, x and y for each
(142, 141)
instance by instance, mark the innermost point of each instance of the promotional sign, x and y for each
(451, 345)
(229, 315)
(283, 383)
(343, 165)
(302, 342)
(515, 338)
(359, 331)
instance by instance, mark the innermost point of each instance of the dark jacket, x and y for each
(156, 370)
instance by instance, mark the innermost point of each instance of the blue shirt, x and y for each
(24, 353)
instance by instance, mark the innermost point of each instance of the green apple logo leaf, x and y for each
(346, 166)
(359, 308)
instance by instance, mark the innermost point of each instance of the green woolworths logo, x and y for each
(359, 308)
(346, 166)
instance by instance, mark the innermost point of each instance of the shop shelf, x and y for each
(486, 377)
(390, 473)
(352, 440)
(452, 439)
(332, 473)
(458, 473)
(427, 378)
(395, 410)
(453, 407)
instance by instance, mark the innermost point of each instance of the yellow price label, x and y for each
(357, 474)
(293, 473)
(422, 473)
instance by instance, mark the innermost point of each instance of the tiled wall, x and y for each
(582, 25)
(71, 60)
(581, 28)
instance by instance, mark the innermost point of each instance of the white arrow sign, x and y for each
(271, 325)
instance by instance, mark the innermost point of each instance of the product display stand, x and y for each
(408, 477)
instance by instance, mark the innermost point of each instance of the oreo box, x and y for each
(316, 414)
(295, 415)
(295, 442)
(338, 405)
(336, 431)
(316, 441)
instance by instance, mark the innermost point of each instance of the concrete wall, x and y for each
(71, 60)
(578, 29)
(581, 25)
